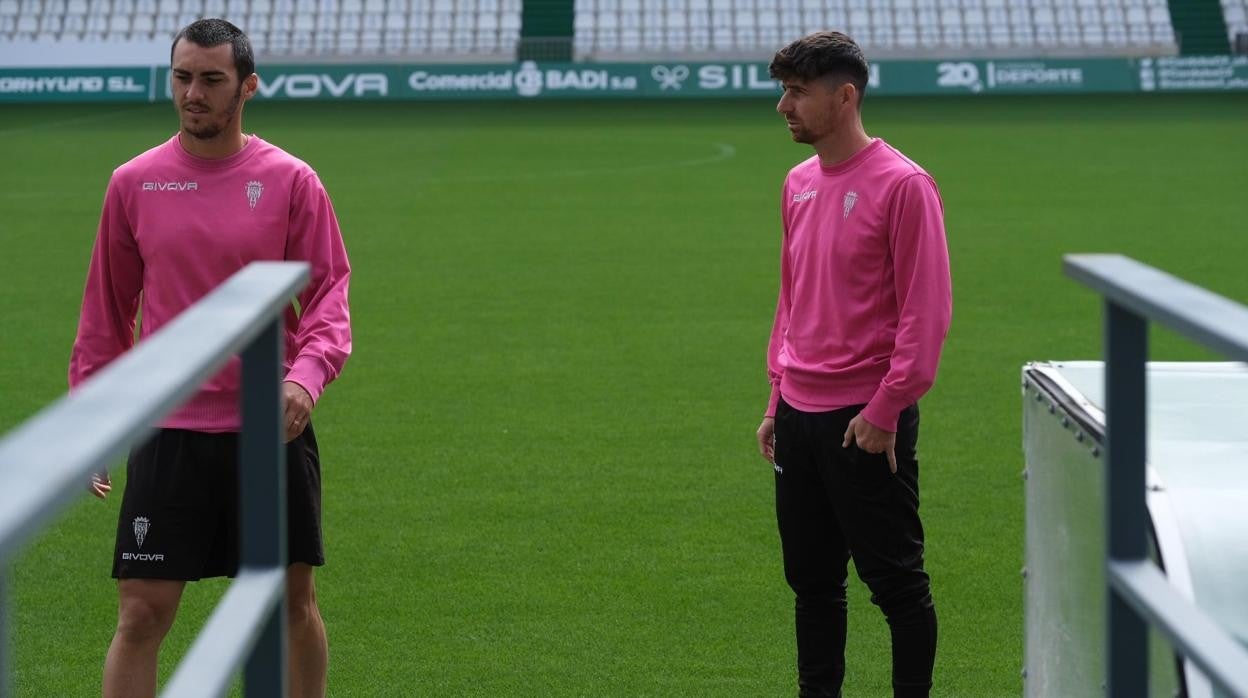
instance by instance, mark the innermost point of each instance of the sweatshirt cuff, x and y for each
(309, 376)
(883, 410)
(773, 401)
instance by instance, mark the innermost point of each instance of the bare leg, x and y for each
(145, 612)
(309, 648)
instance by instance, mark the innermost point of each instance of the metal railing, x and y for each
(45, 464)
(1138, 593)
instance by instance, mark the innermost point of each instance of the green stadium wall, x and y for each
(668, 80)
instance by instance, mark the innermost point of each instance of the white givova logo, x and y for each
(254, 190)
(850, 199)
(141, 524)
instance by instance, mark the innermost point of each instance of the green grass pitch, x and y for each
(540, 471)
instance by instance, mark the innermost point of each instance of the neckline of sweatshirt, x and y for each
(250, 148)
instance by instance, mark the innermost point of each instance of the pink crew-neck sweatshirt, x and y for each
(175, 226)
(865, 294)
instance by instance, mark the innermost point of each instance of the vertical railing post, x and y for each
(262, 500)
(1126, 519)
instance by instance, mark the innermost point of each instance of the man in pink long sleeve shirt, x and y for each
(177, 221)
(864, 307)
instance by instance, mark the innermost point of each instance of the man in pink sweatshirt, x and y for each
(864, 307)
(177, 221)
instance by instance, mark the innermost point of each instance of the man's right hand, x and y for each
(767, 439)
(100, 485)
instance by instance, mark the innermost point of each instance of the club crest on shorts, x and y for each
(254, 190)
(850, 199)
(141, 524)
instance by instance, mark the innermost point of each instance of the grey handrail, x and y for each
(1138, 594)
(45, 462)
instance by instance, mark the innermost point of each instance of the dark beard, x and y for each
(208, 132)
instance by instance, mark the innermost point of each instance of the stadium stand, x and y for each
(1235, 14)
(490, 30)
(459, 29)
(893, 28)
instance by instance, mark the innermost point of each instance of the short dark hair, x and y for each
(214, 32)
(822, 55)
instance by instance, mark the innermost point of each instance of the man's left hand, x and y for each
(297, 409)
(871, 439)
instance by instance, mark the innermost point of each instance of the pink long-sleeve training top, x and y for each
(865, 295)
(175, 226)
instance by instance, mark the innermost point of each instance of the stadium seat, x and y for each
(348, 43)
(1046, 35)
(274, 42)
(608, 39)
(416, 41)
(301, 42)
(143, 25)
(324, 42)
(1094, 36)
(1069, 35)
(999, 36)
(629, 40)
(393, 43)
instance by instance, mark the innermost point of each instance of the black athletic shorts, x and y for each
(179, 514)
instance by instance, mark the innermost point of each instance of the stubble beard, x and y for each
(210, 131)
